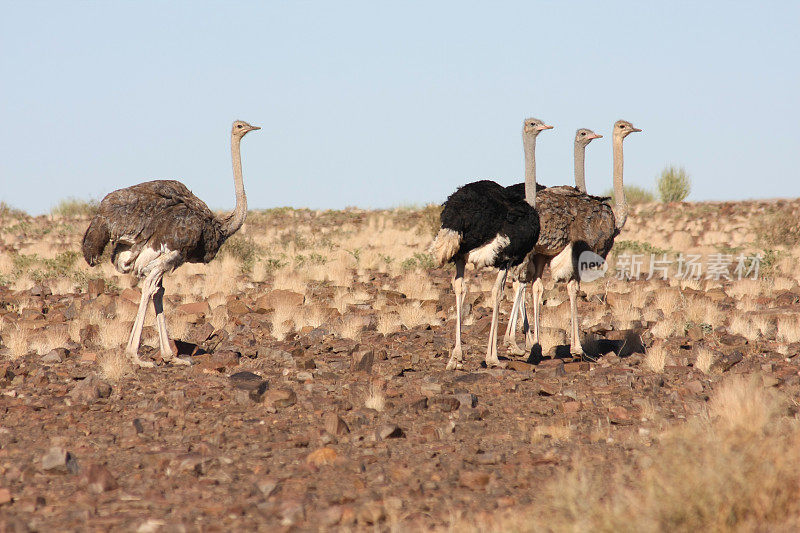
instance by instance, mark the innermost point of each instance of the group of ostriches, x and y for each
(156, 226)
(527, 227)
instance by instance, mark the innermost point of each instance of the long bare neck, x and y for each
(580, 176)
(234, 220)
(621, 208)
(529, 145)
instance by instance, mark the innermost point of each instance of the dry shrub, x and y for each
(745, 327)
(415, 314)
(350, 327)
(282, 321)
(288, 280)
(114, 365)
(375, 399)
(311, 316)
(417, 285)
(16, 340)
(777, 228)
(788, 329)
(704, 359)
(388, 323)
(737, 471)
(112, 333)
(700, 311)
(53, 337)
(668, 300)
(656, 358)
(552, 432)
(343, 298)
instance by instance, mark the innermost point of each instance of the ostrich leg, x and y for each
(457, 356)
(518, 309)
(575, 342)
(497, 295)
(537, 289)
(163, 337)
(149, 288)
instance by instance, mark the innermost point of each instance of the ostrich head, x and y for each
(534, 126)
(584, 136)
(240, 128)
(622, 128)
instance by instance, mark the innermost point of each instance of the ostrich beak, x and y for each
(636, 129)
(544, 127)
(595, 136)
(253, 128)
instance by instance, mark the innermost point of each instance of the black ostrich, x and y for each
(156, 226)
(486, 225)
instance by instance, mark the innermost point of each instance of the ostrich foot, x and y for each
(134, 357)
(576, 351)
(494, 362)
(175, 360)
(456, 360)
(514, 348)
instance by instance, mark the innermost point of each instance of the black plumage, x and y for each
(483, 210)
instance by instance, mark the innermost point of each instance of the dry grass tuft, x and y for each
(115, 365)
(552, 432)
(350, 328)
(788, 329)
(388, 323)
(704, 360)
(415, 314)
(737, 471)
(656, 358)
(418, 286)
(743, 403)
(112, 333)
(375, 399)
(16, 340)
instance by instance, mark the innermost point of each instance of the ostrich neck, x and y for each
(580, 176)
(235, 219)
(621, 208)
(529, 145)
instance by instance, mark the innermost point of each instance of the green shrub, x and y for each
(674, 184)
(74, 207)
(634, 195)
(244, 249)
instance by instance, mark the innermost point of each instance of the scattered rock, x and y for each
(390, 431)
(473, 480)
(59, 461)
(54, 356)
(280, 398)
(99, 479)
(334, 424)
(96, 287)
(322, 456)
(520, 366)
(362, 360)
(5, 496)
(90, 390)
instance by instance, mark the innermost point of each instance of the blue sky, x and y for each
(378, 104)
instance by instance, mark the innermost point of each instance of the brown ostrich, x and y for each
(156, 226)
(572, 223)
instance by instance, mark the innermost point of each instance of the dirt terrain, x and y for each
(318, 398)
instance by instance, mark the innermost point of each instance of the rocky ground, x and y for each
(304, 409)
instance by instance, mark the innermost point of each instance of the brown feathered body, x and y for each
(571, 222)
(146, 221)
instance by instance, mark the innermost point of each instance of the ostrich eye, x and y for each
(238, 125)
(621, 125)
(583, 133)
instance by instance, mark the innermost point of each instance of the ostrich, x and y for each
(583, 137)
(572, 223)
(156, 226)
(486, 225)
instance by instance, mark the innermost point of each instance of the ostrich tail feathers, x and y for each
(445, 245)
(95, 240)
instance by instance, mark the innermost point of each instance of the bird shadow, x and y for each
(594, 347)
